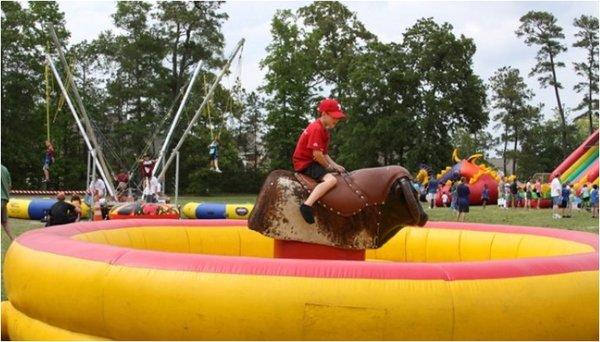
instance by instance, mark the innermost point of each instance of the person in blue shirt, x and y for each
(462, 192)
(565, 198)
(485, 195)
(431, 190)
(594, 200)
(213, 152)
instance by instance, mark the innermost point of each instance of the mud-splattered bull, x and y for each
(365, 209)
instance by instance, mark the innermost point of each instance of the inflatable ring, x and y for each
(216, 280)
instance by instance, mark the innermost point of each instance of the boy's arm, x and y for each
(326, 162)
(335, 165)
(319, 157)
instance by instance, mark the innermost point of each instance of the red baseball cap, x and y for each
(331, 107)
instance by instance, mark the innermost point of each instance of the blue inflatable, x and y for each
(38, 208)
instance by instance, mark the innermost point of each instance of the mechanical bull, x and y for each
(365, 209)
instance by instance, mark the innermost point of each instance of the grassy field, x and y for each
(580, 220)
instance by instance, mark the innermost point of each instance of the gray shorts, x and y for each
(4, 212)
(556, 200)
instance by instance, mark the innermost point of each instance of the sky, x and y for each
(490, 24)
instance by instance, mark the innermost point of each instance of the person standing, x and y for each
(538, 191)
(432, 186)
(454, 196)
(555, 193)
(463, 192)
(565, 197)
(97, 189)
(501, 193)
(528, 196)
(485, 195)
(585, 197)
(149, 192)
(594, 200)
(6, 185)
(514, 192)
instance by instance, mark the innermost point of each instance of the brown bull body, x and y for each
(365, 209)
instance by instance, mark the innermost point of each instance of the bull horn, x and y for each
(411, 200)
(474, 157)
(455, 155)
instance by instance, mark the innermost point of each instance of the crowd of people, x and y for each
(565, 199)
(514, 194)
(457, 199)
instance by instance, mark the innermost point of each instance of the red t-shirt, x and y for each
(314, 137)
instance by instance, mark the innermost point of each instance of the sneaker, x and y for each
(218, 171)
(307, 213)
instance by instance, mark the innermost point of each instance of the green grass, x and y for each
(581, 220)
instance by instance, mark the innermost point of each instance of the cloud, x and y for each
(491, 25)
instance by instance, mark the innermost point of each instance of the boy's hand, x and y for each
(339, 168)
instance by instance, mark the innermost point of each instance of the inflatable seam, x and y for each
(518, 248)
(492, 245)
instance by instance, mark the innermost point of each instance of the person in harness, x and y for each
(48, 161)
(213, 152)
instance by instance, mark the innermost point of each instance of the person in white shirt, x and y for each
(149, 193)
(97, 189)
(555, 192)
(445, 200)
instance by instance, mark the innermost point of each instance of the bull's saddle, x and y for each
(356, 190)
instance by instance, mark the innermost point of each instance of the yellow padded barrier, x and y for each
(18, 208)
(113, 301)
(23, 327)
(189, 210)
(238, 211)
(238, 241)
(410, 244)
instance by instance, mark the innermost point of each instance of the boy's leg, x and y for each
(329, 181)
(46, 172)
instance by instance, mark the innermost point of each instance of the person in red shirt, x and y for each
(311, 154)
(122, 179)
(146, 166)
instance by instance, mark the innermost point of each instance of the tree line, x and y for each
(409, 102)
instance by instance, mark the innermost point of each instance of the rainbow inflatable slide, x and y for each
(581, 166)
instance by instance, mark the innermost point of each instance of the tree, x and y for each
(588, 39)
(509, 98)
(442, 90)
(290, 98)
(472, 143)
(192, 32)
(336, 37)
(23, 88)
(540, 150)
(373, 135)
(540, 28)
(251, 130)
